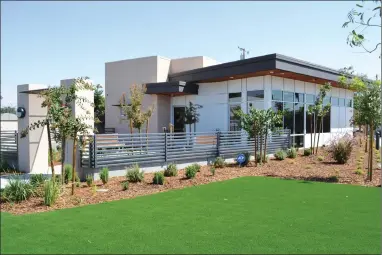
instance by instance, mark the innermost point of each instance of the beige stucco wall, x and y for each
(33, 149)
(185, 64)
(120, 75)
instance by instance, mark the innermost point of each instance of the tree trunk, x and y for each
(74, 163)
(147, 134)
(366, 128)
(314, 126)
(131, 126)
(261, 148)
(319, 132)
(265, 146)
(371, 152)
(63, 155)
(311, 133)
(256, 142)
(50, 149)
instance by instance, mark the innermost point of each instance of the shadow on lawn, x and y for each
(308, 180)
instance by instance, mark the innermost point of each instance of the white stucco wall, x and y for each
(215, 112)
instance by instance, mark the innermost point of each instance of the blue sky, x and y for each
(44, 42)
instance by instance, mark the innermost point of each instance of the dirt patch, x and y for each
(302, 168)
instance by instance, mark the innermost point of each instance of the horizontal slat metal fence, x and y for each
(155, 148)
(8, 145)
(232, 143)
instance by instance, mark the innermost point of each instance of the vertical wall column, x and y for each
(32, 149)
(78, 111)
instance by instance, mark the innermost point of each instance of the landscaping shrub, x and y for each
(280, 154)
(292, 153)
(18, 190)
(104, 175)
(125, 185)
(358, 172)
(51, 192)
(89, 180)
(320, 158)
(341, 149)
(307, 152)
(258, 158)
(58, 179)
(68, 173)
(197, 167)
(191, 171)
(158, 178)
(37, 179)
(219, 162)
(212, 170)
(134, 174)
(171, 170)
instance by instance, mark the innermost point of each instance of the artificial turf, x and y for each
(244, 215)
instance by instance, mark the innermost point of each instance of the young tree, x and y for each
(8, 109)
(51, 98)
(272, 122)
(191, 115)
(369, 104)
(133, 111)
(99, 108)
(364, 19)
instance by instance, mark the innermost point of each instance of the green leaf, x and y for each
(376, 8)
(369, 20)
(359, 5)
(353, 32)
(360, 37)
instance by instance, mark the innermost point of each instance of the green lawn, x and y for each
(244, 215)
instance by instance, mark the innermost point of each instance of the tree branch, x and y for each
(369, 25)
(370, 51)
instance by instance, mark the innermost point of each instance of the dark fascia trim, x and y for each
(33, 91)
(172, 87)
(257, 64)
(244, 66)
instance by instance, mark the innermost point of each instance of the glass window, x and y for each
(309, 99)
(326, 100)
(349, 103)
(298, 141)
(255, 95)
(277, 95)
(309, 123)
(299, 118)
(277, 106)
(326, 127)
(334, 101)
(288, 116)
(235, 97)
(288, 96)
(341, 102)
(299, 97)
(233, 122)
(256, 105)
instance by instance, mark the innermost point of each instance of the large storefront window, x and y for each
(234, 104)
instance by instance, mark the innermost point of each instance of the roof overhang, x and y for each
(172, 88)
(273, 64)
(33, 91)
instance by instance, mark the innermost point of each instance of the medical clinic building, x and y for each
(274, 80)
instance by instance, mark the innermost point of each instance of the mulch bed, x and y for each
(303, 168)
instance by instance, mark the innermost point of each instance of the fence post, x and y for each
(90, 153)
(17, 144)
(218, 144)
(165, 146)
(95, 150)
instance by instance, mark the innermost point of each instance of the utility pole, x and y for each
(243, 52)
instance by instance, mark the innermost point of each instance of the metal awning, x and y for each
(172, 88)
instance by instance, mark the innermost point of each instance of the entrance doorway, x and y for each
(179, 125)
